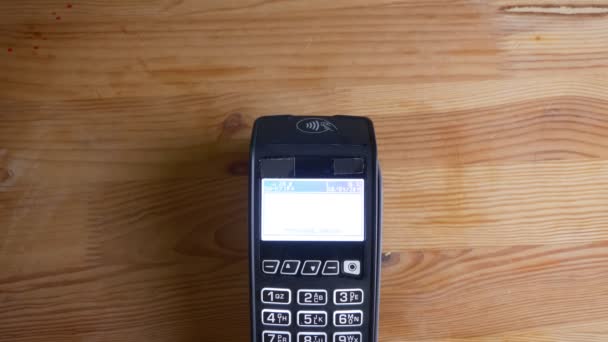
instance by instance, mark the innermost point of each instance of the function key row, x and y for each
(312, 319)
(285, 336)
(271, 295)
(311, 267)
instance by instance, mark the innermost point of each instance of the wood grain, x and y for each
(124, 130)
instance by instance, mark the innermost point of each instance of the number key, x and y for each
(312, 337)
(271, 295)
(276, 336)
(347, 337)
(312, 319)
(348, 296)
(312, 297)
(276, 317)
(348, 318)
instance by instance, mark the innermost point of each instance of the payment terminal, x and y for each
(315, 205)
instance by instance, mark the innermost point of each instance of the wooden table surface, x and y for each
(124, 130)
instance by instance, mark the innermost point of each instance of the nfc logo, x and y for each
(313, 125)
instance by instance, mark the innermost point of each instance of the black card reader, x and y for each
(314, 222)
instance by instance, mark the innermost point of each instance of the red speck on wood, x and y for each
(10, 49)
(68, 5)
(5, 174)
(238, 168)
(58, 18)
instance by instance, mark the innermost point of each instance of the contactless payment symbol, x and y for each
(314, 126)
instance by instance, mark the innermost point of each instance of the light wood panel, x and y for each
(124, 130)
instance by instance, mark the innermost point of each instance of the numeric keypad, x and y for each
(307, 325)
